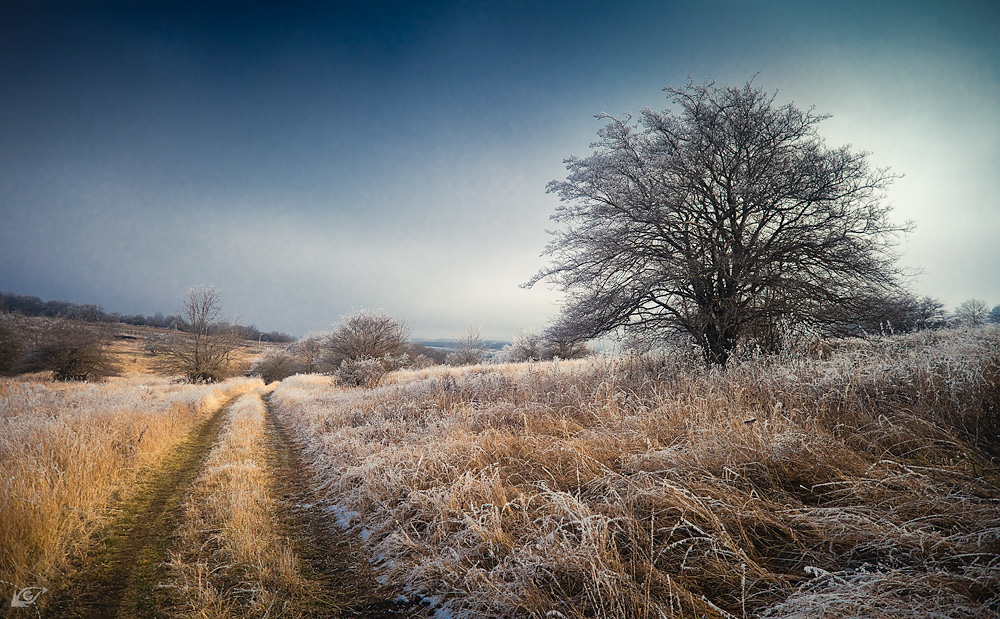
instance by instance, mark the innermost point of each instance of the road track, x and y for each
(121, 576)
(335, 564)
(125, 573)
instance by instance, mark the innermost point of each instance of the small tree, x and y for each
(309, 352)
(972, 312)
(365, 335)
(204, 351)
(995, 314)
(527, 346)
(365, 346)
(468, 349)
(720, 219)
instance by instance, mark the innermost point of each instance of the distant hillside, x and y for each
(29, 305)
(449, 344)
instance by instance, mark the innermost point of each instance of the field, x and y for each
(69, 453)
(864, 484)
(858, 478)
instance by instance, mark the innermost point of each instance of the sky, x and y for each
(313, 159)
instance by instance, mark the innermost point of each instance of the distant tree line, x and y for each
(29, 305)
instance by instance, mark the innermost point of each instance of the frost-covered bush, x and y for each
(364, 335)
(368, 371)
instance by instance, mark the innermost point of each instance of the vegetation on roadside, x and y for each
(861, 479)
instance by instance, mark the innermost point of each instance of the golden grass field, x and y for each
(862, 482)
(69, 453)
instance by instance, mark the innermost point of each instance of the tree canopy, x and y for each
(722, 218)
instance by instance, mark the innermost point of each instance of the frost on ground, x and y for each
(864, 483)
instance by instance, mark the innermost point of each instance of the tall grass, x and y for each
(69, 452)
(230, 559)
(864, 483)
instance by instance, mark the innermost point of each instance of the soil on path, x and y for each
(122, 576)
(332, 561)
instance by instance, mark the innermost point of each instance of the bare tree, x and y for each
(366, 335)
(972, 312)
(527, 346)
(719, 220)
(468, 349)
(203, 352)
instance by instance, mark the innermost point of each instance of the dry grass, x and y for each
(865, 484)
(230, 559)
(69, 453)
(130, 356)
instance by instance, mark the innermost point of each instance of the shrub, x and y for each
(276, 365)
(365, 335)
(71, 352)
(368, 371)
(10, 344)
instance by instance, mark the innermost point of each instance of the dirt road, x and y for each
(335, 564)
(126, 573)
(122, 574)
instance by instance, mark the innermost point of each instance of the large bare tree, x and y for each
(723, 219)
(203, 351)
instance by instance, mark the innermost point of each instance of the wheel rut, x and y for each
(335, 563)
(123, 574)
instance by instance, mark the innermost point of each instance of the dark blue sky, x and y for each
(313, 158)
